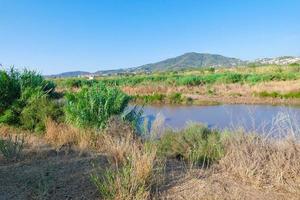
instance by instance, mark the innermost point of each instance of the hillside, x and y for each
(191, 60)
(185, 61)
(70, 74)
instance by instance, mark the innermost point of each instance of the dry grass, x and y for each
(263, 162)
(224, 93)
(132, 170)
(63, 135)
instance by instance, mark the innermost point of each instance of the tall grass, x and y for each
(263, 161)
(196, 144)
(92, 107)
(132, 167)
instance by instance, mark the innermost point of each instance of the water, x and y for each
(259, 118)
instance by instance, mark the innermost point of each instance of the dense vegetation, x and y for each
(92, 107)
(251, 75)
(27, 99)
(135, 163)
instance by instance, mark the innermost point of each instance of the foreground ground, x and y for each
(45, 172)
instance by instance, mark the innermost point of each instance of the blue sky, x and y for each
(54, 36)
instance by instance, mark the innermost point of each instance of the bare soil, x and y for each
(47, 173)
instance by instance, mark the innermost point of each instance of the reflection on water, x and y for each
(259, 118)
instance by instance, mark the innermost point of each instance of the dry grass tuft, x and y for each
(63, 135)
(263, 162)
(133, 166)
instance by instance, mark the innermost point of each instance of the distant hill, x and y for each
(70, 74)
(191, 60)
(186, 61)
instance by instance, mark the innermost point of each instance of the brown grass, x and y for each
(263, 162)
(133, 166)
(224, 93)
(63, 135)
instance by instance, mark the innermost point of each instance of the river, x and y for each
(264, 119)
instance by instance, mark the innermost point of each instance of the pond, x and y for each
(265, 119)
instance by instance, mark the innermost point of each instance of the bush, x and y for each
(152, 98)
(26, 99)
(32, 79)
(34, 115)
(9, 88)
(196, 144)
(92, 107)
(175, 98)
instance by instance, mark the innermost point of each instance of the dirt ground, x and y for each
(47, 173)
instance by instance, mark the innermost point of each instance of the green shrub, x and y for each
(196, 144)
(11, 116)
(289, 95)
(26, 99)
(152, 98)
(32, 79)
(34, 115)
(233, 78)
(9, 88)
(92, 107)
(175, 98)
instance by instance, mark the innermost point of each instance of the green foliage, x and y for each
(153, 98)
(203, 76)
(294, 64)
(38, 109)
(27, 99)
(9, 88)
(175, 98)
(289, 95)
(196, 144)
(11, 148)
(32, 79)
(92, 107)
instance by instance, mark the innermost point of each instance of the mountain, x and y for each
(191, 60)
(70, 74)
(185, 61)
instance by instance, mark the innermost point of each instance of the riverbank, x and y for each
(273, 93)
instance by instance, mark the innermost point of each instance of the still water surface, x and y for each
(260, 118)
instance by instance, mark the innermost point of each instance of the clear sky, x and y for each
(54, 36)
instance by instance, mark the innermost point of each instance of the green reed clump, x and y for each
(92, 107)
